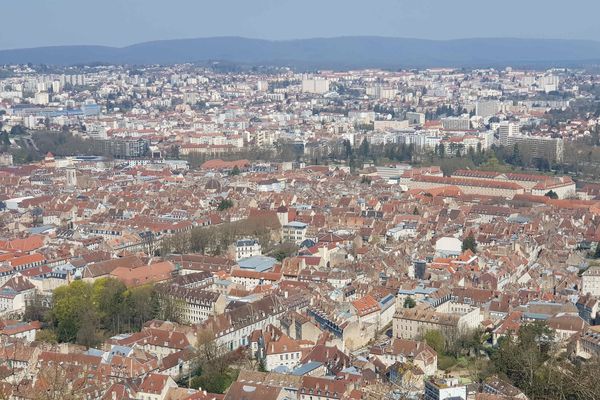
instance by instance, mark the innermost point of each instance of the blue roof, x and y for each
(537, 316)
(94, 352)
(417, 290)
(297, 224)
(257, 263)
(306, 368)
(40, 229)
(281, 369)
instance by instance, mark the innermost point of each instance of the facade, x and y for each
(487, 108)
(124, 148)
(247, 248)
(294, 232)
(315, 86)
(590, 281)
(445, 389)
(194, 305)
(412, 323)
(456, 123)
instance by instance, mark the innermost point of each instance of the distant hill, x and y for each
(336, 53)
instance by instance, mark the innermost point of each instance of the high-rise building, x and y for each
(487, 108)
(548, 83)
(315, 85)
(262, 86)
(456, 123)
(506, 129)
(445, 389)
(415, 118)
(537, 146)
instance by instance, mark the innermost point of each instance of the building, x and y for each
(448, 247)
(456, 123)
(124, 148)
(6, 159)
(15, 293)
(315, 85)
(247, 248)
(294, 232)
(193, 305)
(590, 281)
(231, 329)
(487, 108)
(499, 387)
(445, 389)
(536, 146)
(415, 118)
(407, 351)
(506, 129)
(588, 345)
(412, 323)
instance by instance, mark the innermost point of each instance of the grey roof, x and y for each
(257, 263)
(306, 368)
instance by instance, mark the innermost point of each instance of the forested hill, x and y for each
(336, 53)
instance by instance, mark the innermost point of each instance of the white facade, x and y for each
(590, 281)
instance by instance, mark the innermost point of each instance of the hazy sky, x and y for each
(30, 23)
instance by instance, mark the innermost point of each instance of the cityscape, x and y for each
(219, 228)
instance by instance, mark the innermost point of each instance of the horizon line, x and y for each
(300, 39)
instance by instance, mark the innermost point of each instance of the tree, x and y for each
(169, 308)
(524, 359)
(108, 297)
(597, 251)
(551, 194)
(36, 309)
(224, 205)
(46, 335)
(235, 171)
(82, 312)
(363, 150)
(469, 244)
(4, 139)
(69, 307)
(216, 374)
(436, 340)
(284, 250)
(18, 130)
(515, 157)
(409, 302)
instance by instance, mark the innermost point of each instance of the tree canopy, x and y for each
(469, 244)
(84, 312)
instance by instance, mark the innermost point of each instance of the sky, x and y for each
(32, 23)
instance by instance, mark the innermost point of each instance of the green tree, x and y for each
(284, 250)
(46, 335)
(409, 302)
(363, 150)
(551, 194)
(469, 244)
(436, 340)
(524, 359)
(597, 251)
(109, 301)
(515, 158)
(235, 171)
(225, 204)
(4, 138)
(70, 306)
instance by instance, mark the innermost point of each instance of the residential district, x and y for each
(189, 233)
